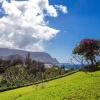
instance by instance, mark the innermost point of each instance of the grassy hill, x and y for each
(78, 86)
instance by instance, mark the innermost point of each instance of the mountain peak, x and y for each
(38, 56)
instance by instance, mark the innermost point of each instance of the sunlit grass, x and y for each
(78, 86)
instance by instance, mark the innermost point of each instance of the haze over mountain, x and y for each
(38, 56)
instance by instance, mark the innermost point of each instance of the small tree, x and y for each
(89, 49)
(28, 60)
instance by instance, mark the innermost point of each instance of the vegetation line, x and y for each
(57, 77)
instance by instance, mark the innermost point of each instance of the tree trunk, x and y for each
(95, 61)
(92, 63)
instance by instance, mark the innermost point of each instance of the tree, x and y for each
(28, 60)
(89, 49)
(78, 58)
(17, 61)
(4, 64)
(17, 75)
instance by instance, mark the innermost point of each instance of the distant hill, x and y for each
(38, 56)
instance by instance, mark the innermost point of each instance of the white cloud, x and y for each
(25, 26)
(1, 0)
(62, 8)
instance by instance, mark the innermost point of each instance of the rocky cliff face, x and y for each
(38, 56)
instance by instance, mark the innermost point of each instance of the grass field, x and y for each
(78, 86)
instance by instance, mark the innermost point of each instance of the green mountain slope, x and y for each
(78, 86)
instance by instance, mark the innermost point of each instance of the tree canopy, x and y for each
(89, 49)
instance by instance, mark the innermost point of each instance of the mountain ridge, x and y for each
(38, 56)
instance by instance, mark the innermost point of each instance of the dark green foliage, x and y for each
(28, 60)
(4, 64)
(16, 75)
(18, 72)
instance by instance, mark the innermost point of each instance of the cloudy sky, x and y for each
(52, 26)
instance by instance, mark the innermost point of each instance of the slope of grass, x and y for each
(78, 86)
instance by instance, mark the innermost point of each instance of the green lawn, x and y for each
(78, 86)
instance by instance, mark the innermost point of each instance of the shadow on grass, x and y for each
(90, 68)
